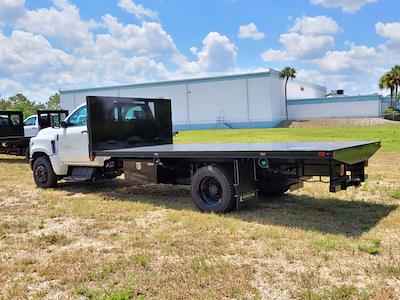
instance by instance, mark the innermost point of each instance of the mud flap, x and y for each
(244, 181)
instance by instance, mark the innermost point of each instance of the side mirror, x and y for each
(63, 124)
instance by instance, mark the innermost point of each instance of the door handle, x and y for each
(84, 131)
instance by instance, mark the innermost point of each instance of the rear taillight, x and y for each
(366, 163)
(321, 154)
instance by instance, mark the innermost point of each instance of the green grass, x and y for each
(328, 244)
(112, 240)
(396, 194)
(372, 248)
(143, 260)
(342, 292)
(389, 135)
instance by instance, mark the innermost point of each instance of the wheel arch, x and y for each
(35, 156)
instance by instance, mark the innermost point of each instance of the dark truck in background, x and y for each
(134, 136)
(15, 134)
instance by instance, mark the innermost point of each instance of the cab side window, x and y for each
(30, 121)
(78, 118)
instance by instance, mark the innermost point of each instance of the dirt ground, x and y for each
(108, 240)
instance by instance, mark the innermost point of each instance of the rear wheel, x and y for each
(43, 173)
(212, 189)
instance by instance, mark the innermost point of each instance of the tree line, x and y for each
(20, 102)
(391, 81)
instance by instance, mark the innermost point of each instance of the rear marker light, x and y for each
(263, 163)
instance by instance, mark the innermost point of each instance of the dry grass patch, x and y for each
(109, 240)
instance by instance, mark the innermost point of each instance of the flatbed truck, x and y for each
(15, 132)
(111, 135)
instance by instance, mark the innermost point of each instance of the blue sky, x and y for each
(46, 45)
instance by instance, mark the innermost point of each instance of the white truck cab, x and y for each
(31, 126)
(64, 150)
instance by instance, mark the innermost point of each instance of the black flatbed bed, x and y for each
(14, 139)
(247, 150)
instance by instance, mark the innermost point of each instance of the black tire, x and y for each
(43, 173)
(212, 189)
(27, 157)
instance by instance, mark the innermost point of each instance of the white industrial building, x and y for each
(363, 106)
(253, 100)
(234, 101)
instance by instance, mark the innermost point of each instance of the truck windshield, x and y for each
(79, 117)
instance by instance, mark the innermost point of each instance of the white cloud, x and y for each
(26, 55)
(348, 6)
(29, 62)
(11, 10)
(137, 10)
(217, 55)
(357, 58)
(44, 49)
(356, 69)
(120, 53)
(309, 38)
(149, 38)
(9, 85)
(250, 31)
(62, 22)
(319, 25)
(390, 31)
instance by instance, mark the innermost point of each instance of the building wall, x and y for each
(357, 106)
(236, 101)
(277, 108)
(176, 92)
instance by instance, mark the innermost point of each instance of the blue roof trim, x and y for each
(173, 82)
(335, 100)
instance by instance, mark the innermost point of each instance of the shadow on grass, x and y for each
(13, 160)
(326, 215)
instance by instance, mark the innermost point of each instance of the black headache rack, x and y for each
(12, 139)
(118, 123)
(139, 132)
(11, 125)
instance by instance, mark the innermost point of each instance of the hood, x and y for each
(48, 133)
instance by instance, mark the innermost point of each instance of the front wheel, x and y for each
(212, 189)
(27, 154)
(43, 173)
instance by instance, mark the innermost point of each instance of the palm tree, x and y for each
(287, 73)
(387, 82)
(396, 80)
